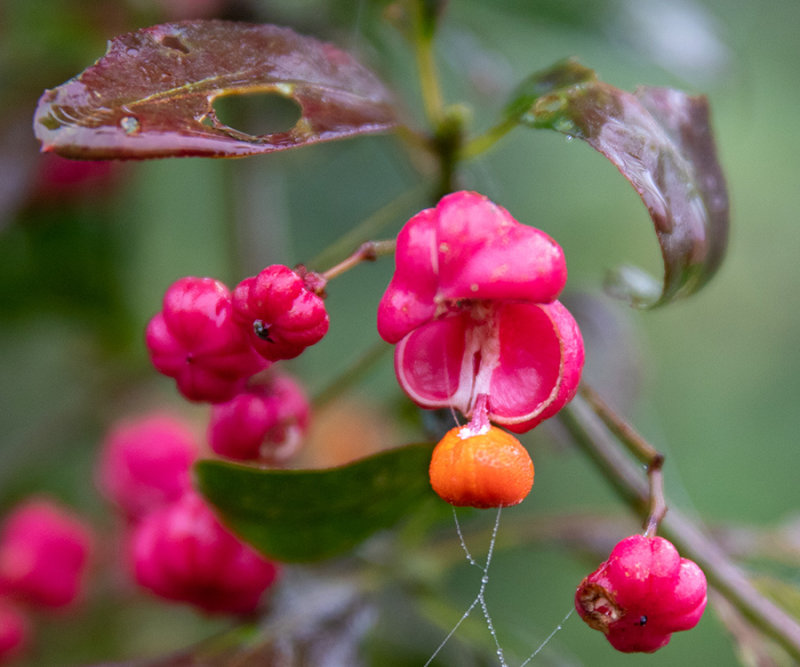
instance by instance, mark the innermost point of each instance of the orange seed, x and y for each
(489, 469)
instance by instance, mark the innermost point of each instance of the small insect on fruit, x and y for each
(485, 469)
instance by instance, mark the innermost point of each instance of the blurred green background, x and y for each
(712, 381)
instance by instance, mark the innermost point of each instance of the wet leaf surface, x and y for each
(660, 139)
(307, 515)
(152, 93)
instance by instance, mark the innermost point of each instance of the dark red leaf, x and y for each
(660, 140)
(152, 93)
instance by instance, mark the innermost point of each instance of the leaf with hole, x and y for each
(152, 94)
(306, 515)
(660, 140)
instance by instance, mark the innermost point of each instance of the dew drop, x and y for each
(565, 126)
(129, 124)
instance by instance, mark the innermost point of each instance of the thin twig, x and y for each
(366, 252)
(620, 427)
(480, 144)
(658, 504)
(641, 449)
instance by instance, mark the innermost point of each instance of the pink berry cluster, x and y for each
(212, 341)
(642, 594)
(218, 345)
(44, 556)
(176, 547)
(472, 308)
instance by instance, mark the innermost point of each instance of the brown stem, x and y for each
(621, 428)
(591, 434)
(366, 252)
(658, 504)
(641, 449)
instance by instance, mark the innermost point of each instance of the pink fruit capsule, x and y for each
(145, 463)
(472, 309)
(281, 315)
(266, 423)
(182, 552)
(44, 553)
(642, 594)
(195, 340)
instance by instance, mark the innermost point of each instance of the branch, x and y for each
(641, 449)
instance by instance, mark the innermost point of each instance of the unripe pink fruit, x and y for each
(195, 340)
(281, 315)
(14, 631)
(642, 594)
(181, 552)
(145, 463)
(44, 553)
(267, 422)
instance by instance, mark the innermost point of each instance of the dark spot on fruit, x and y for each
(262, 331)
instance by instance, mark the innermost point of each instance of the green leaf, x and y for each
(152, 93)
(660, 140)
(306, 515)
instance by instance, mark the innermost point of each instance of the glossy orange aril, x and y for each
(490, 469)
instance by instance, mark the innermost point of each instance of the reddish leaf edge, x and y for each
(75, 119)
(660, 140)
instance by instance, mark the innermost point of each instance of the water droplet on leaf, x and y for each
(129, 124)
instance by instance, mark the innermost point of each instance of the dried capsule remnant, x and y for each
(600, 607)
